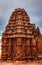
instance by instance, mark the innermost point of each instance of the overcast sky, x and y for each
(33, 8)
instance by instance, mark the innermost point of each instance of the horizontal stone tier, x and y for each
(17, 35)
(29, 25)
(15, 27)
(9, 45)
(14, 22)
(26, 32)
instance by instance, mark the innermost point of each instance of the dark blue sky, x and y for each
(33, 8)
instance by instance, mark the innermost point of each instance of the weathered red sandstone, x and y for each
(21, 39)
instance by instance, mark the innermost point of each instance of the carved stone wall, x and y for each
(20, 40)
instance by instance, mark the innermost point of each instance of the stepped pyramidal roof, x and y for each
(21, 38)
(19, 25)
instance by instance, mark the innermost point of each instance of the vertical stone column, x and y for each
(27, 48)
(23, 48)
(34, 48)
(14, 48)
(17, 48)
(3, 48)
(9, 49)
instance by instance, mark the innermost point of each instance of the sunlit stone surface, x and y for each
(12, 63)
(21, 39)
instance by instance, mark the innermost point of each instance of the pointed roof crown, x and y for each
(20, 14)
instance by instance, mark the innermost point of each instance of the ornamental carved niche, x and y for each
(21, 39)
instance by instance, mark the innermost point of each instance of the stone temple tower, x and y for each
(20, 38)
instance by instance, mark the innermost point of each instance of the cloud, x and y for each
(33, 8)
(0, 38)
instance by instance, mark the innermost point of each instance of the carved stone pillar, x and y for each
(9, 49)
(3, 48)
(27, 48)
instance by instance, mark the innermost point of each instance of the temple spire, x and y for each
(19, 38)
